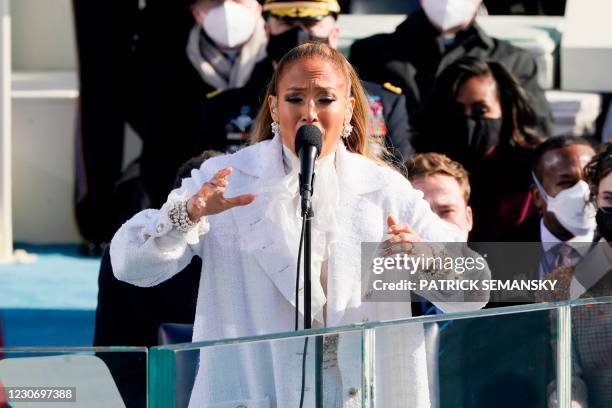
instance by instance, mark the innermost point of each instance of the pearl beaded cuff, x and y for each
(180, 218)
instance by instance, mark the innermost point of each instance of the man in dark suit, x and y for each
(430, 40)
(535, 247)
(558, 170)
(179, 69)
(104, 37)
(155, 68)
(288, 24)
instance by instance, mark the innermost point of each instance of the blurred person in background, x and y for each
(226, 41)
(104, 37)
(480, 116)
(565, 221)
(433, 38)
(558, 166)
(215, 47)
(156, 70)
(445, 185)
(591, 278)
(288, 24)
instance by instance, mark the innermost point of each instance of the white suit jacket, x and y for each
(248, 282)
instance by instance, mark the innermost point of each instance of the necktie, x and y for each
(565, 256)
(560, 256)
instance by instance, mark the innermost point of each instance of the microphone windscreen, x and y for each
(308, 135)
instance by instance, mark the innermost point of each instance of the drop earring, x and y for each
(347, 129)
(275, 129)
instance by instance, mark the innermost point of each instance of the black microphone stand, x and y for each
(307, 269)
(309, 214)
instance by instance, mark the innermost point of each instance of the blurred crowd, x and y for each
(188, 76)
(461, 113)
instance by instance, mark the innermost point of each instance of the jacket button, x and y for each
(160, 228)
(353, 391)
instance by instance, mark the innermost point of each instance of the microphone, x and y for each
(308, 143)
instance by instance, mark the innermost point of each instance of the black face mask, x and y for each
(279, 45)
(604, 222)
(468, 139)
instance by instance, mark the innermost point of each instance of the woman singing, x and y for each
(241, 214)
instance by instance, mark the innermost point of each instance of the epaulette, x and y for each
(214, 93)
(390, 87)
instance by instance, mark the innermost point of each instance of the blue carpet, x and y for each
(50, 302)
(47, 328)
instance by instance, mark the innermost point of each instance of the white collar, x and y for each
(292, 162)
(549, 240)
(357, 174)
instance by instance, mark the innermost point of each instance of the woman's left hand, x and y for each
(402, 237)
(401, 232)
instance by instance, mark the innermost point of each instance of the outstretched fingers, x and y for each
(217, 184)
(395, 228)
(223, 173)
(244, 199)
(402, 235)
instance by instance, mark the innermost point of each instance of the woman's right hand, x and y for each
(210, 200)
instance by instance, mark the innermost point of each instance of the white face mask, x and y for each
(571, 207)
(447, 14)
(230, 24)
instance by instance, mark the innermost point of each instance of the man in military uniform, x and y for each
(288, 24)
(430, 40)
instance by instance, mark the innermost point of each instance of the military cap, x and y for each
(289, 9)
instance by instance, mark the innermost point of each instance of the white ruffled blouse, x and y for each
(286, 209)
(247, 286)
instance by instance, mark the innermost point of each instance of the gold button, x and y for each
(353, 391)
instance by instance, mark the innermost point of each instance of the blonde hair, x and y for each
(429, 164)
(359, 141)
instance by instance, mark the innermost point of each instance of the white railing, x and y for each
(6, 213)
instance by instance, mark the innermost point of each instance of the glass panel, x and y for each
(591, 353)
(482, 362)
(261, 373)
(356, 361)
(502, 357)
(79, 377)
